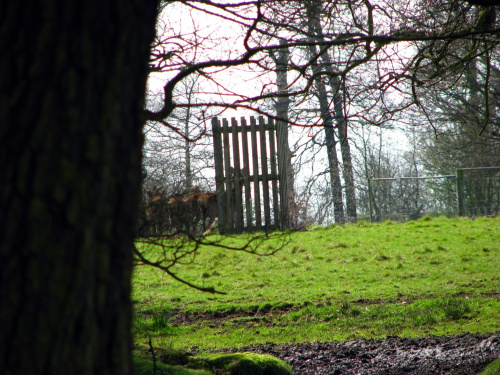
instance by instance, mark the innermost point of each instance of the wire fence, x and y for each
(469, 192)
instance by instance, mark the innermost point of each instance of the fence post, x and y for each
(282, 140)
(370, 197)
(219, 173)
(460, 192)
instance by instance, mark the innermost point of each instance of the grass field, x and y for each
(431, 276)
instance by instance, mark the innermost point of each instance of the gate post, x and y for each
(370, 198)
(282, 138)
(460, 192)
(219, 173)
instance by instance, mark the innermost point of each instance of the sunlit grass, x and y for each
(343, 322)
(431, 276)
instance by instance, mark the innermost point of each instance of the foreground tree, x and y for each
(72, 93)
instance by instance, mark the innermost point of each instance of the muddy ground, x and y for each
(435, 355)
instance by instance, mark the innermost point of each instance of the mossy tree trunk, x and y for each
(72, 85)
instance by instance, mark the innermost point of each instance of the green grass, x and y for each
(492, 368)
(431, 276)
(143, 366)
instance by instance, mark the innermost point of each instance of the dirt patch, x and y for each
(434, 355)
(179, 317)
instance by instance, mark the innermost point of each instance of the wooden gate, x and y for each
(250, 179)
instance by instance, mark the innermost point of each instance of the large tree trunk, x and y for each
(282, 108)
(331, 143)
(340, 119)
(72, 85)
(331, 148)
(345, 149)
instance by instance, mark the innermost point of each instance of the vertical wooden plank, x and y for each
(265, 185)
(237, 199)
(219, 173)
(228, 177)
(246, 172)
(274, 180)
(255, 159)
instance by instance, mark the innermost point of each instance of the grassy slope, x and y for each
(432, 276)
(492, 369)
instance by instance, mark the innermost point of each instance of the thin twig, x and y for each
(151, 349)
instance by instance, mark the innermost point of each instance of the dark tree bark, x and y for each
(282, 108)
(331, 147)
(331, 143)
(72, 86)
(338, 106)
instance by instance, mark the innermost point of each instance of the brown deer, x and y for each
(202, 206)
(195, 210)
(207, 203)
(186, 213)
(156, 215)
(179, 213)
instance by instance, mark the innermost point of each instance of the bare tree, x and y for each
(461, 138)
(330, 140)
(334, 81)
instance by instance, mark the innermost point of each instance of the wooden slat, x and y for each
(246, 172)
(255, 159)
(237, 199)
(227, 171)
(265, 185)
(274, 181)
(219, 173)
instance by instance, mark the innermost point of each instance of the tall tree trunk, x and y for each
(282, 108)
(474, 101)
(350, 190)
(187, 153)
(188, 171)
(72, 86)
(338, 205)
(340, 119)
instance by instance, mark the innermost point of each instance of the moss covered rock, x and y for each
(249, 364)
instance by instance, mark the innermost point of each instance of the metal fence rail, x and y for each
(469, 192)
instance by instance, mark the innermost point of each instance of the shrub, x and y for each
(455, 309)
